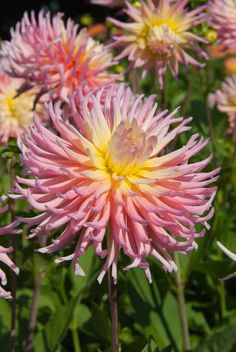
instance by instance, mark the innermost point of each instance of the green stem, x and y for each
(114, 312)
(76, 342)
(182, 307)
(34, 312)
(134, 77)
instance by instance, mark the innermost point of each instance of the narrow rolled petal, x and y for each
(49, 54)
(106, 166)
(227, 251)
(4, 253)
(109, 3)
(159, 36)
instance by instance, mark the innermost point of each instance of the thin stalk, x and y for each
(33, 313)
(188, 92)
(182, 307)
(210, 122)
(134, 77)
(114, 312)
(13, 276)
(163, 95)
(76, 342)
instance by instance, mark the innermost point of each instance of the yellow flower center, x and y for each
(19, 108)
(128, 149)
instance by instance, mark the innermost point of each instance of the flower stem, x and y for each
(134, 77)
(114, 312)
(13, 277)
(188, 92)
(34, 310)
(182, 307)
(76, 342)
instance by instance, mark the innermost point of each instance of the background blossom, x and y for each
(223, 20)
(160, 36)
(225, 100)
(16, 113)
(109, 169)
(49, 54)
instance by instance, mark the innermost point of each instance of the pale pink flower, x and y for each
(4, 258)
(160, 36)
(223, 20)
(47, 53)
(231, 255)
(225, 100)
(108, 171)
(16, 113)
(109, 3)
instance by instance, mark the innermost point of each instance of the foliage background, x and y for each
(74, 312)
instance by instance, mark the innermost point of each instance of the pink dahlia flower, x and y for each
(159, 36)
(225, 100)
(109, 3)
(223, 20)
(4, 258)
(51, 55)
(16, 113)
(109, 170)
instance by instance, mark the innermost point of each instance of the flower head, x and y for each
(225, 100)
(108, 3)
(49, 54)
(16, 112)
(223, 20)
(4, 258)
(108, 169)
(159, 36)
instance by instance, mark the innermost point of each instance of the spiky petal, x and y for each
(108, 168)
(109, 3)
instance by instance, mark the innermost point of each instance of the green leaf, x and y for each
(221, 341)
(54, 331)
(151, 346)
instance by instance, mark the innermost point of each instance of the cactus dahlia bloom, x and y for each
(4, 258)
(225, 100)
(109, 170)
(49, 54)
(108, 3)
(223, 20)
(159, 36)
(16, 113)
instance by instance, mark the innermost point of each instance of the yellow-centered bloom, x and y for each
(160, 36)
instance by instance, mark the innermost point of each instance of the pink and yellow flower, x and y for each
(51, 55)
(223, 20)
(159, 36)
(225, 100)
(16, 113)
(108, 169)
(4, 258)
